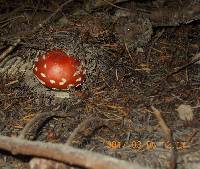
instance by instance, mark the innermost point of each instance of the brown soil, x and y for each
(121, 87)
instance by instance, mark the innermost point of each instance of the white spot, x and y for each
(63, 81)
(45, 66)
(79, 79)
(42, 74)
(54, 89)
(36, 69)
(76, 73)
(78, 85)
(43, 57)
(52, 81)
(42, 82)
(36, 59)
(84, 72)
(70, 85)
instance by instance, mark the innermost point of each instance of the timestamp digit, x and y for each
(136, 144)
(150, 145)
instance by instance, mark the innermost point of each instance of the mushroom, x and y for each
(59, 71)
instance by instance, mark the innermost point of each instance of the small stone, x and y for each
(185, 112)
(62, 95)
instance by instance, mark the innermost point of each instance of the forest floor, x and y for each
(114, 113)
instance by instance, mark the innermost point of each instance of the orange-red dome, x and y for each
(57, 70)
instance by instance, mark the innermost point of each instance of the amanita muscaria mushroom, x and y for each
(57, 70)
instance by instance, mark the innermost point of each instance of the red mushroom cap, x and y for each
(57, 70)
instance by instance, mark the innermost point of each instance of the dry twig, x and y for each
(129, 54)
(153, 43)
(116, 6)
(38, 121)
(168, 135)
(49, 19)
(195, 59)
(81, 126)
(64, 153)
(10, 49)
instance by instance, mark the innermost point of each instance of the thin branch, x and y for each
(37, 122)
(129, 54)
(49, 19)
(10, 49)
(81, 126)
(39, 119)
(195, 59)
(153, 43)
(168, 135)
(116, 6)
(63, 153)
